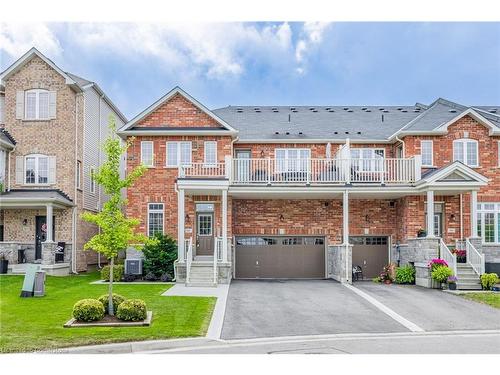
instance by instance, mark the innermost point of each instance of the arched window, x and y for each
(36, 167)
(466, 151)
(36, 104)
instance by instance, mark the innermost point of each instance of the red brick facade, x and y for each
(399, 218)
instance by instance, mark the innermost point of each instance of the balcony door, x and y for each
(243, 165)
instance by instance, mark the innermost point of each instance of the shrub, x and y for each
(488, 280)
(88, 310)
(405, 275)
(388, 273)
(377, 279)
(441, 273)
(117, 299)
(434, 263)
(159, 256)
(129, 278)
(132, 310)
(150, 276)
(118, 271)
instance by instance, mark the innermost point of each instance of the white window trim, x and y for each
(37, 158)
(92, 181)
(37, 92)
(152, 153)
(205, 162)
(162, 211)
(179, 153)
(285, 167)
(372, 167)
(464, 141)
(495, 211)
(426, 141)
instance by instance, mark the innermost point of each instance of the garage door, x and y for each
(371, 253)
(295, 257)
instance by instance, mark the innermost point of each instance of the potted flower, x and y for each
(421, 233)
(4, 263)
(452, 282)
(461, 256)
(438, 276)
(386, 276)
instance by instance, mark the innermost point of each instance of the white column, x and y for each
(224, 225)
(473, 214)
(345, 217)
(180, 225)
(430, 213)
(50, 224)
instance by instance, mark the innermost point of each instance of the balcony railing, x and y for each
(308, 171)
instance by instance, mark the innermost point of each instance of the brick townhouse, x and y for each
(311, 191)
(52, 124)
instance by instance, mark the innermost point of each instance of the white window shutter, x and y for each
(19, 170)
(20, 105)
(52, 104)
(52, 169)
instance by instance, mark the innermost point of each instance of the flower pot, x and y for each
(387, 282)
(435, 284)
(4, 265)
(444, 286)
(452, 286)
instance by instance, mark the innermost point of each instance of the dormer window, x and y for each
(36, 105)
(466, 151)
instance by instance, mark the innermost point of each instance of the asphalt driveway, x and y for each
(432, 309)
(257, 309)
(299, 307)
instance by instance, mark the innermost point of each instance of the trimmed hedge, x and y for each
(117, 299)
(118, 271)
(132, 310)
(88, 310)
(405, 275)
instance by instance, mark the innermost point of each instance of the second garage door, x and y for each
(296, 257)
(371, 253)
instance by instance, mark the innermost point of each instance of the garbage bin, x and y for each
(39, 289)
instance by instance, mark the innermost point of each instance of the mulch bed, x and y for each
(110, 321)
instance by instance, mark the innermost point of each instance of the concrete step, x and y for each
(201, 284)
(469, 280)
(468, 286)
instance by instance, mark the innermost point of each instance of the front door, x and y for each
(204, 233)
(41, 234)
(243, 165)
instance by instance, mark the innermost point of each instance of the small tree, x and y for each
(116, 231)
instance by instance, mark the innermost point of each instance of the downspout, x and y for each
(75, 208)
(8, 167)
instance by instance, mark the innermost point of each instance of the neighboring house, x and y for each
(309, 191)
(52, 125)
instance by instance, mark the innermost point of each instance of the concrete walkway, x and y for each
(220, 292)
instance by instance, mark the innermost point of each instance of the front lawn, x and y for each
(29, 324)
(489, 298)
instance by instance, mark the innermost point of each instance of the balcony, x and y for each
(269, 171)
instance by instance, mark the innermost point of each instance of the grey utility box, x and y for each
(39, 289)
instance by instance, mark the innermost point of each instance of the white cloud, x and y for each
(311, 36)
(16, 39)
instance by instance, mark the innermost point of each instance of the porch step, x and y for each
(202, 274)
(468, 286)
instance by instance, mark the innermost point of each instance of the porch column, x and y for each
(224, 225)
(50, 224)
(430, 213)
(180, 225)
(473, 214)
(345, 217)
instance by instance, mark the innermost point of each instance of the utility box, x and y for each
(39, 289)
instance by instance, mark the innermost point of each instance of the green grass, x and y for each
(30, 324)
(489, 298)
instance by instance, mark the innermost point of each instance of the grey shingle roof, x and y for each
(318, 122)
(41, 194)
(79, 80)
(7, 138)
(340, 122)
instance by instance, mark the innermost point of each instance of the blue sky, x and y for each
(273, 63)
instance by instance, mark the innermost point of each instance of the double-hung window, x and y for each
(155, 218)
(426, 150)
(210, 157)
(147, 152)
(92, 180)
(36, 169)
(292, 159)
(367, 159)
(178, 153)
(488, 222)
(466, 151)
(36, 105)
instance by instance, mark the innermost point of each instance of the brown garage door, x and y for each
(294, 257)
(371, 253)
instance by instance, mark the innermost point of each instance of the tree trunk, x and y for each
(111, 310)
